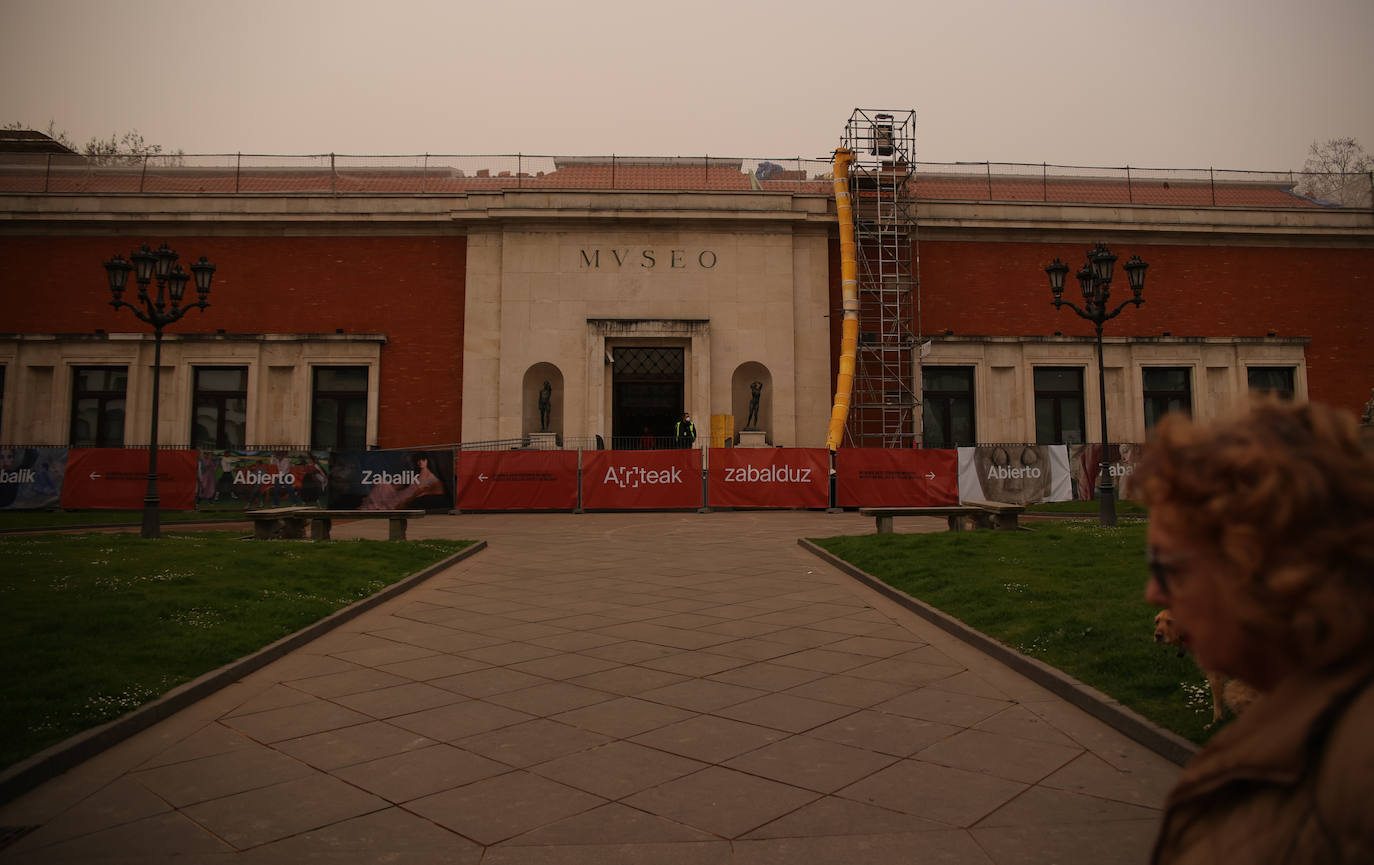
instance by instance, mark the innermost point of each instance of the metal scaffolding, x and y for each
(883, 412)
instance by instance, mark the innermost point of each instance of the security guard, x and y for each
(685, 432)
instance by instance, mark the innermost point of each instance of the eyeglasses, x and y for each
(1162, 570)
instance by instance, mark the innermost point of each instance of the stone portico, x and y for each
(737, 282)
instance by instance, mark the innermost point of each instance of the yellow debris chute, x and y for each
(849, 293)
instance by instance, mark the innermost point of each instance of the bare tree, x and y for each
(131, 143)
(1338, 171)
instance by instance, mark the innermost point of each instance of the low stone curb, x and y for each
(1168, 745)
(53, 761)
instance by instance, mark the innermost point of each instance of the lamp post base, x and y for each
(152, 526)
(1106, 498)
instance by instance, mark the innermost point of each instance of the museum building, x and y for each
(405, 302)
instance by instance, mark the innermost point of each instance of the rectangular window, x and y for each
(1167, 388)
(947, 407)
(1059, 405)
(1277, 380)
(338, 416)
(98, 406)
(220, 409)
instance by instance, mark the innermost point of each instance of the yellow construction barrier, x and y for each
(722, 429)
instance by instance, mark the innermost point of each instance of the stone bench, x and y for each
(321, 521)
(999, 515)
(271, 523)
(953, 513)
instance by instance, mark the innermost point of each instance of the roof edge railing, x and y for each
(431, 175)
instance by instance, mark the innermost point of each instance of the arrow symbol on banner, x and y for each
(95, 476)
(482, 478)
(930, 476)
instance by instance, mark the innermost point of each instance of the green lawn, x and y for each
(1086, 507)
(94, 625)
(29, 520)
(1068, 593)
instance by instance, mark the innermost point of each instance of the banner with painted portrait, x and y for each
(262, 479)
(1085, 466)
(32, 477)
(391, 480)
(1015, 473)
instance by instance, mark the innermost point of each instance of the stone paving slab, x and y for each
(608, 688)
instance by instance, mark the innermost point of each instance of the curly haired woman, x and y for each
(1261, 543)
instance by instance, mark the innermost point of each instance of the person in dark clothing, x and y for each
(685, 432)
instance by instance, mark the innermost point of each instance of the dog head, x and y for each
(1165, 632)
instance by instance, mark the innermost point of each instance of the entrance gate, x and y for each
(646, 394)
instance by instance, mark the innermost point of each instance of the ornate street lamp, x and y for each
(1095, 279)
(159, 311)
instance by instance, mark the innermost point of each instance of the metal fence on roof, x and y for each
(335, 174)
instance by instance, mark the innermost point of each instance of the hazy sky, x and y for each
(1165, 83)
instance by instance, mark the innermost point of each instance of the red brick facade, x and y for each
(1000, 289)
(411, 289)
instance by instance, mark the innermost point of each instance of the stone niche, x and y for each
(740, 395)
(532, 383)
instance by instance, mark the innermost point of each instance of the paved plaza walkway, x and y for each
(599, 689)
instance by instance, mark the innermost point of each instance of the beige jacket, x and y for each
(1290, 781)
